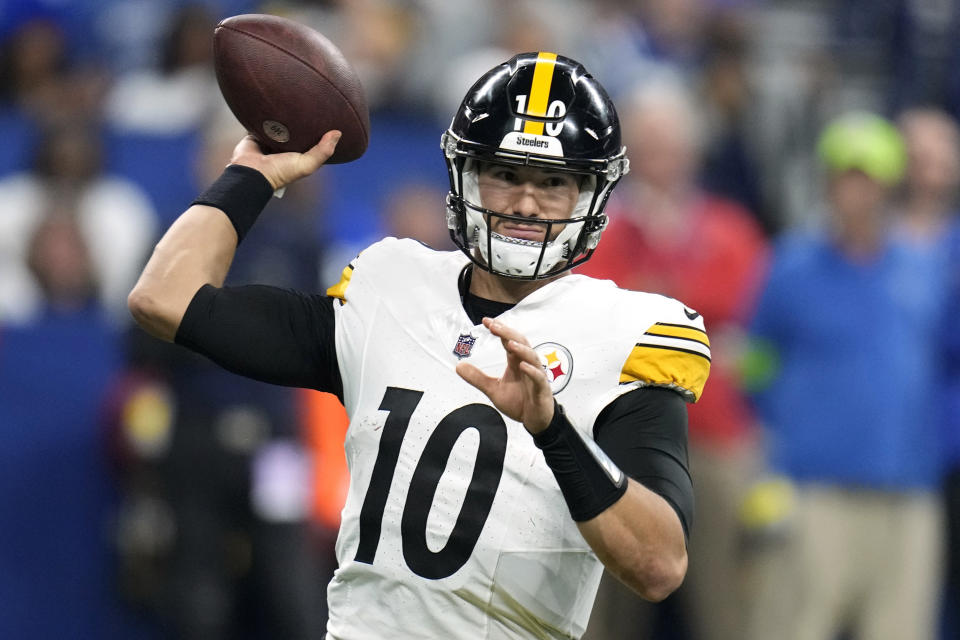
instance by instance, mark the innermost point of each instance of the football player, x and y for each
(514, 427)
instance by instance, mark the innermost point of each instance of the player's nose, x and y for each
(525, 203)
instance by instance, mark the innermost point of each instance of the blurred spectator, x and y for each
(59, 260)
(180, 93)
(403, 147)
(624, 43)
(518, 26)
(416, 210)
(794, 81)
(848, 318)
(932, 139)
(674, 29)
(933, 175)
(924, 49)
(40, 81)
(235, 474)
(160, 111)
(905, 50)
(129, 34)
(54, 491)
(32, 63)
(31, 57)
(376, 36)
(114, 216)
(951, 422)
(729, 155)
(668, 236)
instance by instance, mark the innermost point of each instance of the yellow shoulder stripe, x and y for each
(339, 290)
(668, 365)
(681, 331)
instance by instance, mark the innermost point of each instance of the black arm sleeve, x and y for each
(266, 333)
(645, 433)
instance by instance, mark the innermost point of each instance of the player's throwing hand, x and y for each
(280, 169)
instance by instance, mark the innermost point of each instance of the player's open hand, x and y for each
(522, 393)
(280, 169)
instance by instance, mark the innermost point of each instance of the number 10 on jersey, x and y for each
(487, 471)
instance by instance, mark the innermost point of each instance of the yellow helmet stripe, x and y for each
(540, 91)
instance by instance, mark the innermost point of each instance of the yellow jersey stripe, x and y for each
(339, 290)
(681, 369)
(680, 332)
(540, 91)
(680, 344)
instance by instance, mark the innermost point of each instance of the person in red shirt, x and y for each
(668, 236)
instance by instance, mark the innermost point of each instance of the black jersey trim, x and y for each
(660, 346)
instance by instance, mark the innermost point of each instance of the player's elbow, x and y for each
(656, 578)
(152, 314)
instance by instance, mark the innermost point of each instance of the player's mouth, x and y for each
(532, 232)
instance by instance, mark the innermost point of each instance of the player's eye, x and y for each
(558, 181)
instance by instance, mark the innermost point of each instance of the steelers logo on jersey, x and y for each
(557, 363)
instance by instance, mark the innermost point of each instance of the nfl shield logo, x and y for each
(464, 345)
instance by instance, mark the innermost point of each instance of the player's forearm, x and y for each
(634, 531)
(640, 540)
(197, 249)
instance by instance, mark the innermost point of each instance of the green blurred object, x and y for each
(769, 503)
(758, 366)
(860, 140)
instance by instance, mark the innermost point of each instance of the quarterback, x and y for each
(514, 427)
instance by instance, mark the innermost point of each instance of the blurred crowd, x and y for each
(795, 173)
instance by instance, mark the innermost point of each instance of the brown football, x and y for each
(288, 85)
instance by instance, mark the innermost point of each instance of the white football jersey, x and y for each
(454, 527)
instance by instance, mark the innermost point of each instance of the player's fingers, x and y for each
(497, 328)
(247, 145)
(536, 375)
(249, 153)
(521, 354)
(538, 406)
(522, 351)
(321, 152)
(494, 326)
(538, 393)
(289, 166)
(504, 332)
(477, 378)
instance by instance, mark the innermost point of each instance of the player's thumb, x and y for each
(323, 150)
(475, 377)
(294, 166)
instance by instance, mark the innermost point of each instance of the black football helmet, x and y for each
(541, 110)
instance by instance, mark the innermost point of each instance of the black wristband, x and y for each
(589, 480)
(241, 193)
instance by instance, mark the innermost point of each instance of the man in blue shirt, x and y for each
(850, 315)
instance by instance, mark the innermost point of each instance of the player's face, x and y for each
(529, 192)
